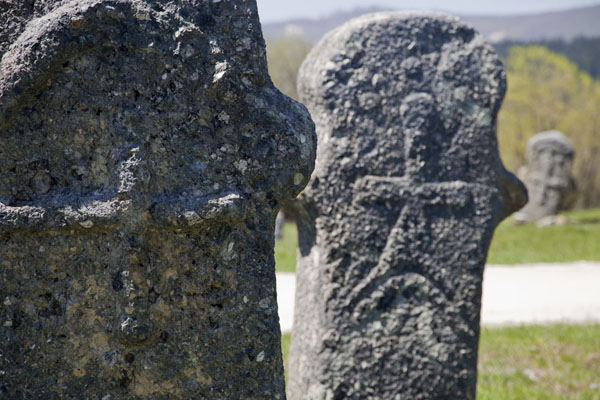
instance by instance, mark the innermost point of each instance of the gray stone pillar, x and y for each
(144, 153)
(279, 222)
(396, 222)
(547, 176)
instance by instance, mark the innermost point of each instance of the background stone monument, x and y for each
(547, 176)
(395, 225)
(143, 155)
(279, 222)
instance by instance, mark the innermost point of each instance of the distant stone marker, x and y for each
(144, 153)
(547, 176)
(396, 222)
(279, 222)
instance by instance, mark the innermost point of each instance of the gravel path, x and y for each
(512, 294)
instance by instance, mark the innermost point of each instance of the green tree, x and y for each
(547, 91)
(285, 57)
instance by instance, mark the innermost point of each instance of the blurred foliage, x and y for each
(285, 57)
(583, 51)
(547, 91)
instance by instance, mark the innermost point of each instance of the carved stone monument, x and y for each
(144, 153)
(547, 176)
(396, 222)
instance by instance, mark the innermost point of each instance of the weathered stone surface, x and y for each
(397, 219)
(144, 154)
(547, 176)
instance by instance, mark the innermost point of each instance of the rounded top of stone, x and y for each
(383, 78)
(383, 16)
(554, 139)
(406, 35)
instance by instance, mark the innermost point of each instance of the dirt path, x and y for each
(512, 295)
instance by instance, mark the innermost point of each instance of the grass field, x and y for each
(556, 362)
(521, 244)
(540, 362)
(512, 244)
(285, 249)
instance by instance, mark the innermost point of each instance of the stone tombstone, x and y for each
(279, 222)
(547, 176)
(144, 154)
(396, 222)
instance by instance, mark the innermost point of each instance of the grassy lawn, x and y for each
(540, 362)
(520, 244)
(285, 249)
(555, 362)
(512, 244)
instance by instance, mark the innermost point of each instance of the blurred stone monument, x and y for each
(144, 154)
(547, 176)
(395, 224)
(279, 222)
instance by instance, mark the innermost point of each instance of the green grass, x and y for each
(285, 249)
(521, 244)
(512, 244)
(556, 362)
(540, 362)
(285, 350)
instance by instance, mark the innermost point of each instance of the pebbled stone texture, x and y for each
(547, 176)
(397, 219)
(144, 154)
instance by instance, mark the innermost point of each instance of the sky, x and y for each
(282, 10)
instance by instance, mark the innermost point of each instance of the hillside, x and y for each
(565, 25)
(560, 25)
(582, 51)
(313, 29)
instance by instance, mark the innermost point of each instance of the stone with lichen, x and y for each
(144, 153)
